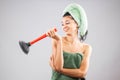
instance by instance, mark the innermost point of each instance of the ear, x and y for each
(77, 27)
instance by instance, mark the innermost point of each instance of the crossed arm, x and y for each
(56, 61)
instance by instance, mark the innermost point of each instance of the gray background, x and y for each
(28, 19)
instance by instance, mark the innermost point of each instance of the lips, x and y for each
(65, 29)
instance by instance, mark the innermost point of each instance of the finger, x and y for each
(48, 34)
(53, 29)
(52, 33)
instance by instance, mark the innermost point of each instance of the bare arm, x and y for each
(81, 72)
(58, 55)
(56, 60)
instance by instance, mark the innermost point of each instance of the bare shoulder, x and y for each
(87, 48)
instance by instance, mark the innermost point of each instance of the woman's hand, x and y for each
(51, 33)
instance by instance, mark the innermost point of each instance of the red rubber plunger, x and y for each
(25, 46)
(41, 37)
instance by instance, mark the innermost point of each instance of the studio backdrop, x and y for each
(28, 19)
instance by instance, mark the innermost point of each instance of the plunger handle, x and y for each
(39, 38)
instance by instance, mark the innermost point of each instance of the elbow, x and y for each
(82, 74)
(58, 69)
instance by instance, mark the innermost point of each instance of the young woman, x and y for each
(70, 55)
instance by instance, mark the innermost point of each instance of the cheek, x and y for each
(74, 27)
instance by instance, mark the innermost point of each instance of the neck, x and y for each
(72, 38)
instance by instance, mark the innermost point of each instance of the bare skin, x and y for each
(66, 43)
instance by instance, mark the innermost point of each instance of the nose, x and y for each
(64, 26)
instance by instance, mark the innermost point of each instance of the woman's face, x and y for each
(69, 26)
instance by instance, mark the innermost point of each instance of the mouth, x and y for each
(65, 29)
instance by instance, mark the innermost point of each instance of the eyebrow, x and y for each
(65, 21)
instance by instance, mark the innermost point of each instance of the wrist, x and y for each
(58, 39)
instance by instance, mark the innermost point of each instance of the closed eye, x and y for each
(67, 23)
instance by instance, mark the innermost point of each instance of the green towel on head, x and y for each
(79, 15)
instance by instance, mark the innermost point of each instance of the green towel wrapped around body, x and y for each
(71, 61)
